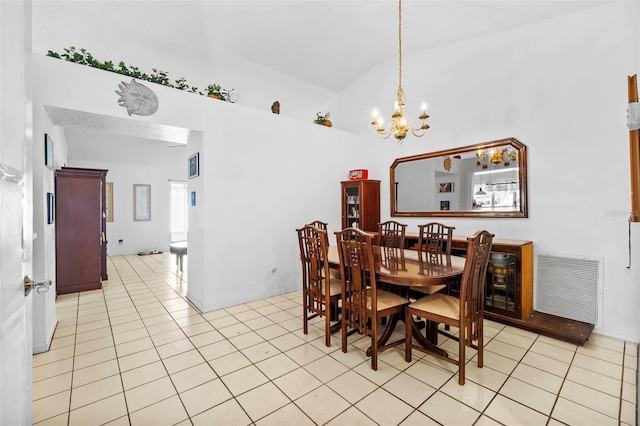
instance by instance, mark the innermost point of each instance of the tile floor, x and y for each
(137, 353)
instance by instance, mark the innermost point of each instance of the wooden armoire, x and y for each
(81, 231)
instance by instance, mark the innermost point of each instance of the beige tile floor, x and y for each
(136, 352)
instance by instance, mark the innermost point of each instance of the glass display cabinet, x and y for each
(361, 204)
(509, 286)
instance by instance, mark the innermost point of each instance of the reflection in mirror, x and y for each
(487, 179)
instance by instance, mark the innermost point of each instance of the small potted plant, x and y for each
(323, 120)
(215, 91)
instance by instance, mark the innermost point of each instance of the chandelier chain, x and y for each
(399, 47)
(399, 126)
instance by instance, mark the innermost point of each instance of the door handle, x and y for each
(41, 287)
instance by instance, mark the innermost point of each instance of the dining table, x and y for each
(403, 269)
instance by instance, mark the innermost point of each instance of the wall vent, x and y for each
(569, 287)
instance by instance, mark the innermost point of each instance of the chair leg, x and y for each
(305, 328)
(461, 357)
(480, 345)
(344, 330)
(408, 335)
(327, 329)
(374, 345)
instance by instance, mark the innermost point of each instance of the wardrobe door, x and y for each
(78, 230)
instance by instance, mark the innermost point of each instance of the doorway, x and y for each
(178, 211)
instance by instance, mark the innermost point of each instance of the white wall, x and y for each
(563, 94)
(137, 236)
(257, 184)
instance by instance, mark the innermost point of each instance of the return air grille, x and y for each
(568, 287)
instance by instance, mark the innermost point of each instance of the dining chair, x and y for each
(391, 234)
(320, 290)
(324, 226)
(363, 304)
(319, 224)
(465, 312)
(434, 247)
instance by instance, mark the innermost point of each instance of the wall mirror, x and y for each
(485, 180)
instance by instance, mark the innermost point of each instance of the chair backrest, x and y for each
(322, 226)
(319, 224)
(391, 234)
(315, 270)
(434, 242)
(474, 278)
(355, 251)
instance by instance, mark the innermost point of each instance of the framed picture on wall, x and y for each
(51, 208)
(445, 186)
(444, 205)
(109, 202)
(141, 202)
(194, 165)
(48, 151)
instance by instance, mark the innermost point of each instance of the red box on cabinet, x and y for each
(357, 174)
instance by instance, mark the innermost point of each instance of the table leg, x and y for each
(417, 335)
(388, 331)
(426, 342)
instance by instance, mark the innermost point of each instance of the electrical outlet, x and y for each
(120, 242)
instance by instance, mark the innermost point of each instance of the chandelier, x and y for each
(399, 125)
(497, 157)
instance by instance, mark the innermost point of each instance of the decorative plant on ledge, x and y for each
(323, 120)
(83, 57)
(216, 92)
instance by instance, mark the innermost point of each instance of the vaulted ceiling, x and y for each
(329, 43)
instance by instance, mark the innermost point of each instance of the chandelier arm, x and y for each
(418, 132)
(385, 134)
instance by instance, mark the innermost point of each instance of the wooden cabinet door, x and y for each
(78, 230)
(361, 204)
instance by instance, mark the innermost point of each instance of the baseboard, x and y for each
(227, 303)
(44, 347)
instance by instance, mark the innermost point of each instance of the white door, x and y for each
(15, 214)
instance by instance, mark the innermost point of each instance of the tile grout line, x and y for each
(155, 347)
(144, 279)
(218, 377)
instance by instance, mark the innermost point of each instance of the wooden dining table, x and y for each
(403, 269)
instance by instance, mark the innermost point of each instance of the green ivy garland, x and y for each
(83, 57)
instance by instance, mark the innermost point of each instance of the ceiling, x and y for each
(328, 43)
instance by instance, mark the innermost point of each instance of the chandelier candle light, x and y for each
(399, 125)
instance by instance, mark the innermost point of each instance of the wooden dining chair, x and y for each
(324, 226)
(320, 290)
(319, 224)
(465, 312)
(363, 304)
(434, 247)
(391, 234)
(434, 241)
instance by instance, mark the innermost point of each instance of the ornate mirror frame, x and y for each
(455, 171)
